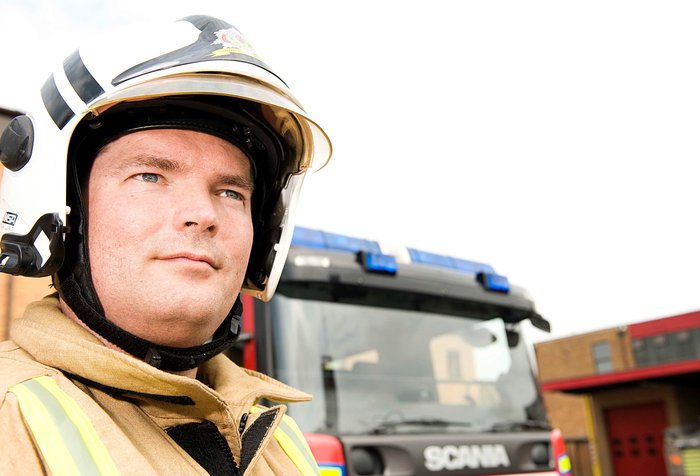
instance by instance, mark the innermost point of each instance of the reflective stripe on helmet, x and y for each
(56, 106)
(84, 83)
(63, 433)
(292, 441)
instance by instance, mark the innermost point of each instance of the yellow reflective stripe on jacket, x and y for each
(63, 433)
(292, 441)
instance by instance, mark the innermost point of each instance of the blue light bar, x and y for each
(372, 258)
(379, 263)
(308, 238)
(466, 266)
(494, 282)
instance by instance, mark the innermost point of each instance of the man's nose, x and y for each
(196, 211)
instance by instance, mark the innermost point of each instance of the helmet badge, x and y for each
(232, 42)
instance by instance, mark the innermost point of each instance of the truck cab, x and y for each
(415, 360)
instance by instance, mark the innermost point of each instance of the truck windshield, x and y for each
(383, 370)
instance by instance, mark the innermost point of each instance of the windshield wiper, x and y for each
(388, 426)
(519, 425)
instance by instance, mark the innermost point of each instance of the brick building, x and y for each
(620, 388)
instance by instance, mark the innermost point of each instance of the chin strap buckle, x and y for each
(153, 358)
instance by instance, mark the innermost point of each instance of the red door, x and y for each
(635, 436)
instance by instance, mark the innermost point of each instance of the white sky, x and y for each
(557, 141)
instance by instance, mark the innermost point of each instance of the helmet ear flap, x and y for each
(39, 252)
(16, 143)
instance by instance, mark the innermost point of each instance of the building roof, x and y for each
(592, 382)
(681, 322)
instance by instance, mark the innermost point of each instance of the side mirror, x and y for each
(540, 322)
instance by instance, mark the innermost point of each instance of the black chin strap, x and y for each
(159, 356)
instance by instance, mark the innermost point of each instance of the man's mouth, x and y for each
(192, 257)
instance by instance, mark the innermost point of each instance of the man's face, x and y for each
(169, 232)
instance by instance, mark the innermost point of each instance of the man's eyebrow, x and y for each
(237, 181)
(148, 160)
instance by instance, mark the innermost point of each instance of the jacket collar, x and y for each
(55, 340)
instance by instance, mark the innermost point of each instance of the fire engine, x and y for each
(415, 360)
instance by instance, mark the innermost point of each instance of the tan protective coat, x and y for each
(132, 425)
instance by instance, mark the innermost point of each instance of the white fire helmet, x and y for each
(198, 73)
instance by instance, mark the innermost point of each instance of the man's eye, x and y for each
(153, 178)
(232, 194)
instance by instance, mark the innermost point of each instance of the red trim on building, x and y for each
(677, 323)
(644, 373)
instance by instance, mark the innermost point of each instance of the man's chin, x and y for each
(185, 324)
(182, 334)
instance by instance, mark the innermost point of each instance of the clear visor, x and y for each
(284, 113)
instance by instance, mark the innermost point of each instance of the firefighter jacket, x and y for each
(71, 405)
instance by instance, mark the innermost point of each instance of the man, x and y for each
(155, 181)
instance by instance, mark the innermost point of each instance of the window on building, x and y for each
(695, 337)
(662, 349)
(682, 345)
(641, 352)
(665, 348)
(602, 357)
